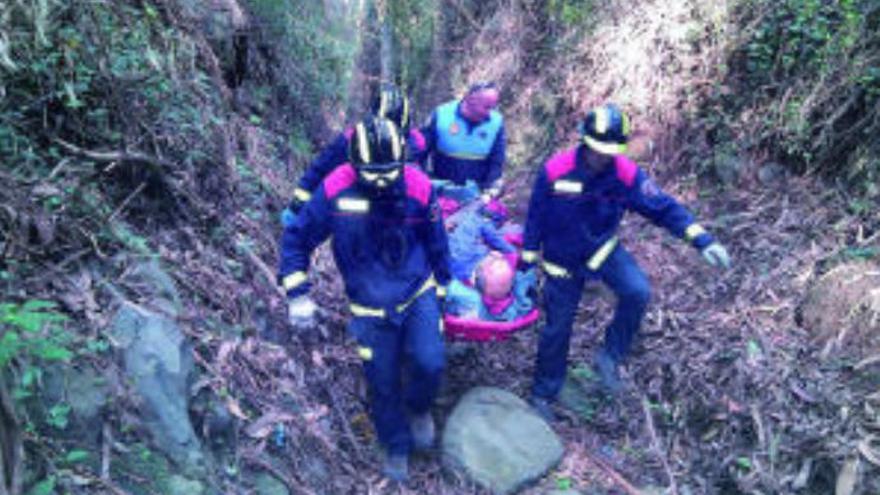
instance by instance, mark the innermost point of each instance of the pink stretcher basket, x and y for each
(458, 328)
(476, 330)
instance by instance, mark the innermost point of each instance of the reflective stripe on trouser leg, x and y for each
(628, 282)
(424, 346)
(383, 375)
(561, 297)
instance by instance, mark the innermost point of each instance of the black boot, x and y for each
(543, 408)
(396, 467)
(422, 428)
(606, 368)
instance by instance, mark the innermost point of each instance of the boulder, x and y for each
(842, 308)
(495, 438)
(158, 363)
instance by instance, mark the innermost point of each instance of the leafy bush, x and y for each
(807, 85)
(315, 52)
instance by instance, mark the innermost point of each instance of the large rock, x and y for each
(266, 484)
(159, 362)
(496, 438)
(155, 286)
(178, 485)
(842, 309)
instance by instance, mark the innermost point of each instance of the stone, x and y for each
(157, 286)
(771, 173)
(158, 362)
(178, 485)
(266, 484)
(727, 168)
(495, 438)
(841, 309)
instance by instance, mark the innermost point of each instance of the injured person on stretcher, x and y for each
(483, 252)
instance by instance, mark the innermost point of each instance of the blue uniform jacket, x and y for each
(386, 249)
(336, 153)
(574, 214)
(462, 150)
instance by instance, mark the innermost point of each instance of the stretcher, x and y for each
(480, 330)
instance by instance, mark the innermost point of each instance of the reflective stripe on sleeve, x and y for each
(602, 254)
(301, 194)
(693, 231)
(555, 270)
(294, 280)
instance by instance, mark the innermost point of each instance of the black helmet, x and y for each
(392, 104)
(606, 130)
(376, 151)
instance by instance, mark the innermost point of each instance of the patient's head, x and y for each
(495, 276)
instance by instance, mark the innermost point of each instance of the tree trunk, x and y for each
(386, 50)
(11, 448)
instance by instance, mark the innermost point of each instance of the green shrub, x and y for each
(807, 83)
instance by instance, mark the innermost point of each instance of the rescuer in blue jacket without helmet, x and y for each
(390, 103)
(391, 249)
(578, 201)
(465, 140)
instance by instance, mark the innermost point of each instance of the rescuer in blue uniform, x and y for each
(578, 201)
(391, 249)
(465, 140)
(390, 103)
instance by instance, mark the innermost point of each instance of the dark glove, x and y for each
(296, 204)
(523, 265)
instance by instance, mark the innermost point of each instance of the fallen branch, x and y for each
(125, 202)
(346, 425)
(655, 445)
(115, 156)
(292, 485)
(264, 269)
(617, 477)
(107, 441)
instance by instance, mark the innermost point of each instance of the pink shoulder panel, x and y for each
(418, 185)
(626, 170)
(340, 179)
(560, 164)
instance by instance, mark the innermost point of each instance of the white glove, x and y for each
(492, 192)
(716, 255)
(301, 312)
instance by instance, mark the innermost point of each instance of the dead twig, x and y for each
(655, 445)
(125, 202)
(346, 425)
(614, 475)
(292, 484)
(107, 441)
(264, 269)
(115, 156)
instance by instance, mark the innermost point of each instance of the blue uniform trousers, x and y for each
(415, 337)
(561, 296)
